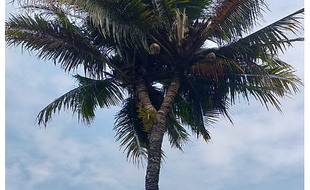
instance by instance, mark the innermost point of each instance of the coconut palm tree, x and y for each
(168, 64)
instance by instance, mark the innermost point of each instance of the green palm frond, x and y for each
(200, 103)
(195, 9)
(248, 52)
(190, 114)
(278, 80)
(274, 37)
(224, 22)
(166, 9)
(178, 136)
(58, 40)
(283, 77)
(209, 95)
(281, 82)
(126, 21)
(84, 99)
(268, 40)
(130, 131)
(233, 18)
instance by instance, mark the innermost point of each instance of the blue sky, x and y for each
(262, 150)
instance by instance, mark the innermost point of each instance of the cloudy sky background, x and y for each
(262, 150)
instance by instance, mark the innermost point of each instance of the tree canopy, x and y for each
(175, 66)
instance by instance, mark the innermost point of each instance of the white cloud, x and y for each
(39, 173)
(261, 145)
(54, 157)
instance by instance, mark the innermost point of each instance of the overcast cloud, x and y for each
(263, 149)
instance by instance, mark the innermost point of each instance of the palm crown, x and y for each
(132, 51)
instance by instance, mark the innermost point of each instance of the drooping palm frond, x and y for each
(84, 99)
(130, 133)
(132, 136)
(283, 77)
(190, 114)
(265, 79)
(58, 40)
(177, 134)
(278, 80)
(199, 104)
(281, 82)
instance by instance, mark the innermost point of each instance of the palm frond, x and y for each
(57, 40)
(130, 133)
(274, 37)
(283, 77)
(224, 22)
(232, 18)
(249, 52)
(84, 99)
(268, 40)
(279, 80)
(199, 104)
(127, 21)
(178, 136)
(195, 9)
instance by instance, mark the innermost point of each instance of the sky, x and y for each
(262, 150)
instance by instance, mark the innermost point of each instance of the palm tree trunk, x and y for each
(156, 137)
(154, 154)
